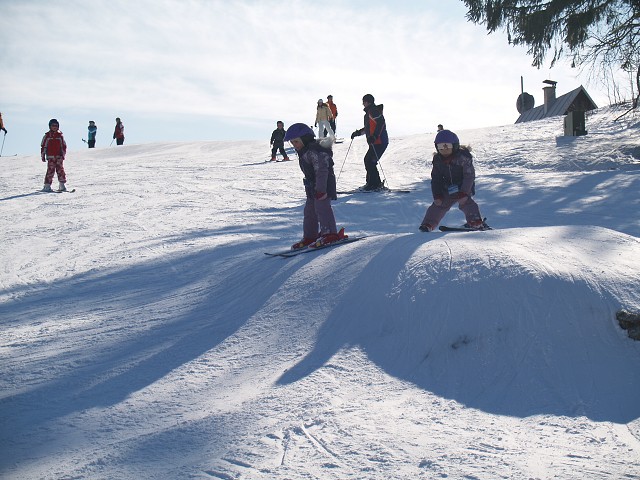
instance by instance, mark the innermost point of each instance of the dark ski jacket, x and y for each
(316, 162)
(375, 127)
(277, 137)
(457, 169)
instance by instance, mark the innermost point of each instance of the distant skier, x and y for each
(2, 125)
(53, 149)
(277, 141)
(334, 113)
(375, 129)
(5, 133)
(323, 117)
(316, 162)
(452, 181)
(91, 138)
(440, 127)
(118, 133)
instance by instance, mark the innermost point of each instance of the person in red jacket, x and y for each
(118, 133)
(53, 149)
(334, 111)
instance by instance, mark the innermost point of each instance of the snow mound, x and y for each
(520, 331)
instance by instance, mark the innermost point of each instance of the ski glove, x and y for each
(321, 195)
(355, 134)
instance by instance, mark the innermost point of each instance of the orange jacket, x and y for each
(333, 108)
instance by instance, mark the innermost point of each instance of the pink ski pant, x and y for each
(436, 213)
(318, 213)
(54, 165)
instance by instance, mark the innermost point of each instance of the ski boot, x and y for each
(329, 238)
(477, 225)
(305, 242)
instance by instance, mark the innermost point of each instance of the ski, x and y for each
(384, 190)
(14, 155)
(278, 161)
(299, 251)
(57, 191)
(444, 228)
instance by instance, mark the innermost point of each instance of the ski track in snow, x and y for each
(145, 335)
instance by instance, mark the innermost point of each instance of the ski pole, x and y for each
(345, 159)
(111, 142)
(1, 149)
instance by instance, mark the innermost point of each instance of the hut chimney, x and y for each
(549, 94)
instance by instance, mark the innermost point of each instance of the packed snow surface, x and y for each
(144, 333)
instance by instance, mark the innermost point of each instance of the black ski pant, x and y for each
(278, 147)
(370, 161)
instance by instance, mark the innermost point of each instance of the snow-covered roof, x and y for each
(575, 100)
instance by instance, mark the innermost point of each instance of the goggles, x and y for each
(444, 146)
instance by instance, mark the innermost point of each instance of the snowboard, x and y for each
(464, 228)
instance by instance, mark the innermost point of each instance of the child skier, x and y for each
(118, 132)
(53, 149)
(92, 130)
(277, 142)
(452, 181)
(316, 162)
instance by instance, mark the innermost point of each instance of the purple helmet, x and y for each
(447, 136)
(298, 130)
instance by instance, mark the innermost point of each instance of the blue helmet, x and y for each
(298, 130)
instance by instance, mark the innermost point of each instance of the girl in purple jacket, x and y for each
(452, 181)
(316, 162)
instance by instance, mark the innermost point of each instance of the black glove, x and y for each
(4, 130)
(355, 134)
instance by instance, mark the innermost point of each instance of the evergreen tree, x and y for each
(601, 33)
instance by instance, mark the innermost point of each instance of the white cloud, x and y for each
(258, 61)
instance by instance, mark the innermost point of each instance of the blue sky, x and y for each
(227, 70)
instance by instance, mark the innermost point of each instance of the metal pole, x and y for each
(343, 162)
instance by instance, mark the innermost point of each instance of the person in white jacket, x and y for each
(323, 119)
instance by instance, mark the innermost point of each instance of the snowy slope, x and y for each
(145, 335)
